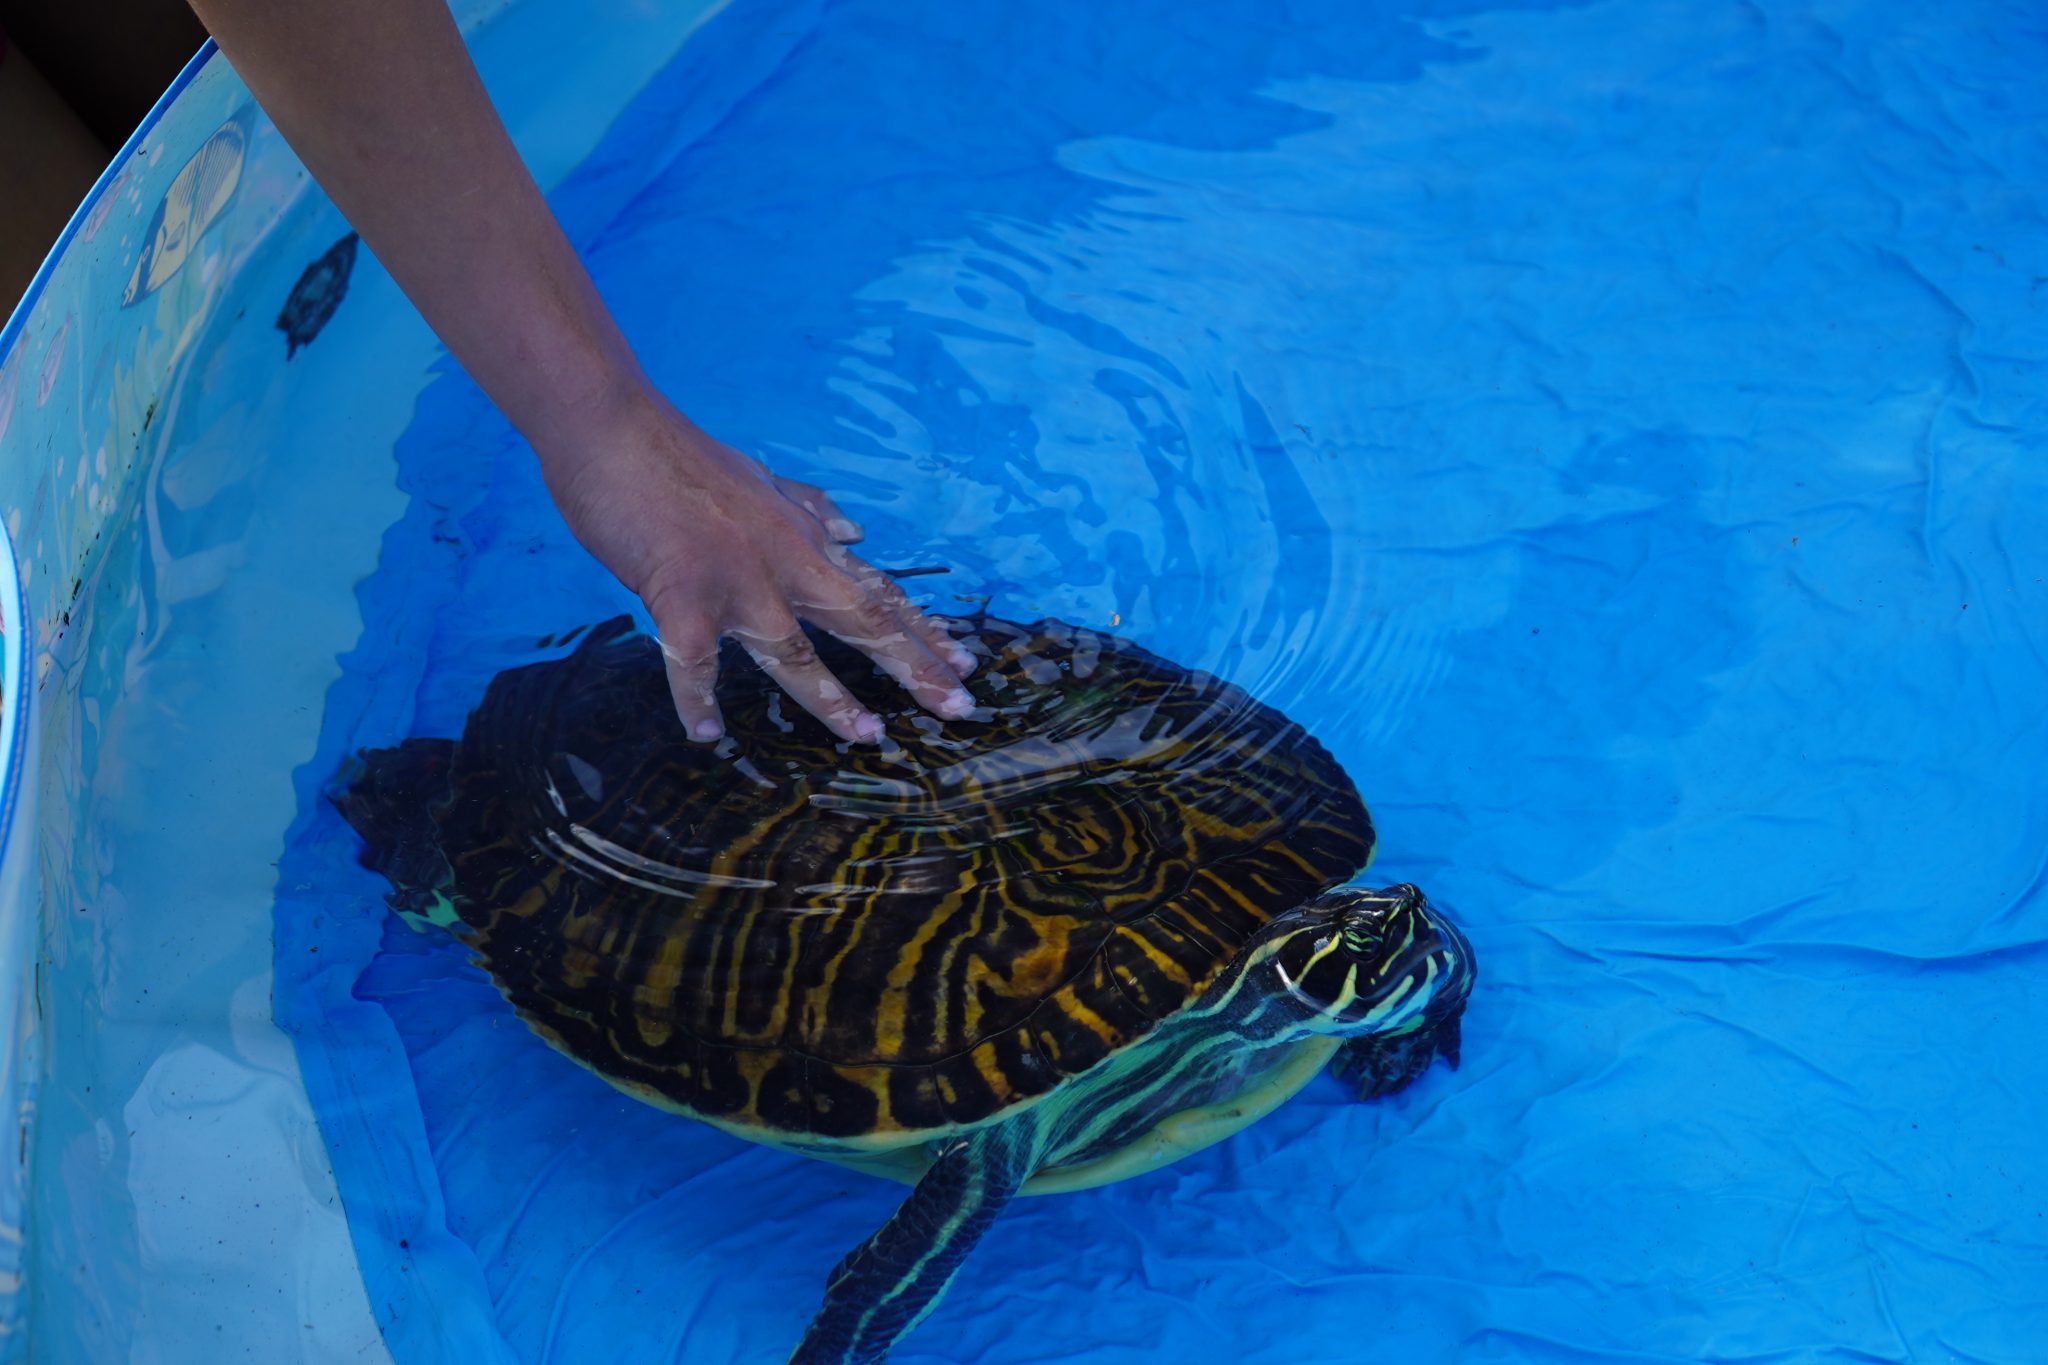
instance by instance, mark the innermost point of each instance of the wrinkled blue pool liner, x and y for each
(1617, 430)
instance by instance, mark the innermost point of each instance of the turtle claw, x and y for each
(1382, 1066)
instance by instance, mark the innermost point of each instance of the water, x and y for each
(1614, 431)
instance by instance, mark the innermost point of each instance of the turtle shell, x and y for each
(863, 945)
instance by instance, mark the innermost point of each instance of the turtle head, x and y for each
(1371, 963)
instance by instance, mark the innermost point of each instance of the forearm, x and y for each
(380, 100)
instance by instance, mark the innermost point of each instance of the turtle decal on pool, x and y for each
(1099, 925)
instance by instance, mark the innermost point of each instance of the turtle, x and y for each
(1105, 921)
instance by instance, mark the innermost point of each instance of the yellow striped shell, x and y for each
(856, 948)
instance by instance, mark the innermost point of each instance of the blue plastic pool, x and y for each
(1618, 431)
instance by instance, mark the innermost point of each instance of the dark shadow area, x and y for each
(109, 60)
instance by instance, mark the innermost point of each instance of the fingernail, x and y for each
(839, 528)
(956, 704)
(868, 728)
(962, 661)
(706, 730)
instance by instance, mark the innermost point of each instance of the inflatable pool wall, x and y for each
(145, 289)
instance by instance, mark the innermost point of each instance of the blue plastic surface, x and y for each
(190, 510)
(1616, 430)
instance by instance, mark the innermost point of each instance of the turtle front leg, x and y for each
(890, 1282)
(1380, 1064)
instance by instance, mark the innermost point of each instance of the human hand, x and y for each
(708, 540)
(716, 546)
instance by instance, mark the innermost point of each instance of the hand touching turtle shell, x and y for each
(717, 547)
(711, 543)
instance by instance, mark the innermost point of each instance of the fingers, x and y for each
(689, 649)
(822, 583)
(868, 612)
(842, 528)
(935, 636)
(789, 657)
(869, 621)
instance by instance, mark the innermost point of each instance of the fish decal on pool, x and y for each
(1102, 923)
(198, 195)
(320, 289)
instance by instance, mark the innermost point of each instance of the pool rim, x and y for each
(15, 625)
(17, 321)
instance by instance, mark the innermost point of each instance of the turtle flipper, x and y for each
(389, 796)
(1381, 1065)
(886, 1285)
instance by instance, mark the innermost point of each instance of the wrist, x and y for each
(603, 411)
(616, 437)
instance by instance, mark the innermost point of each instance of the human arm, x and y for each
(381, 102)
